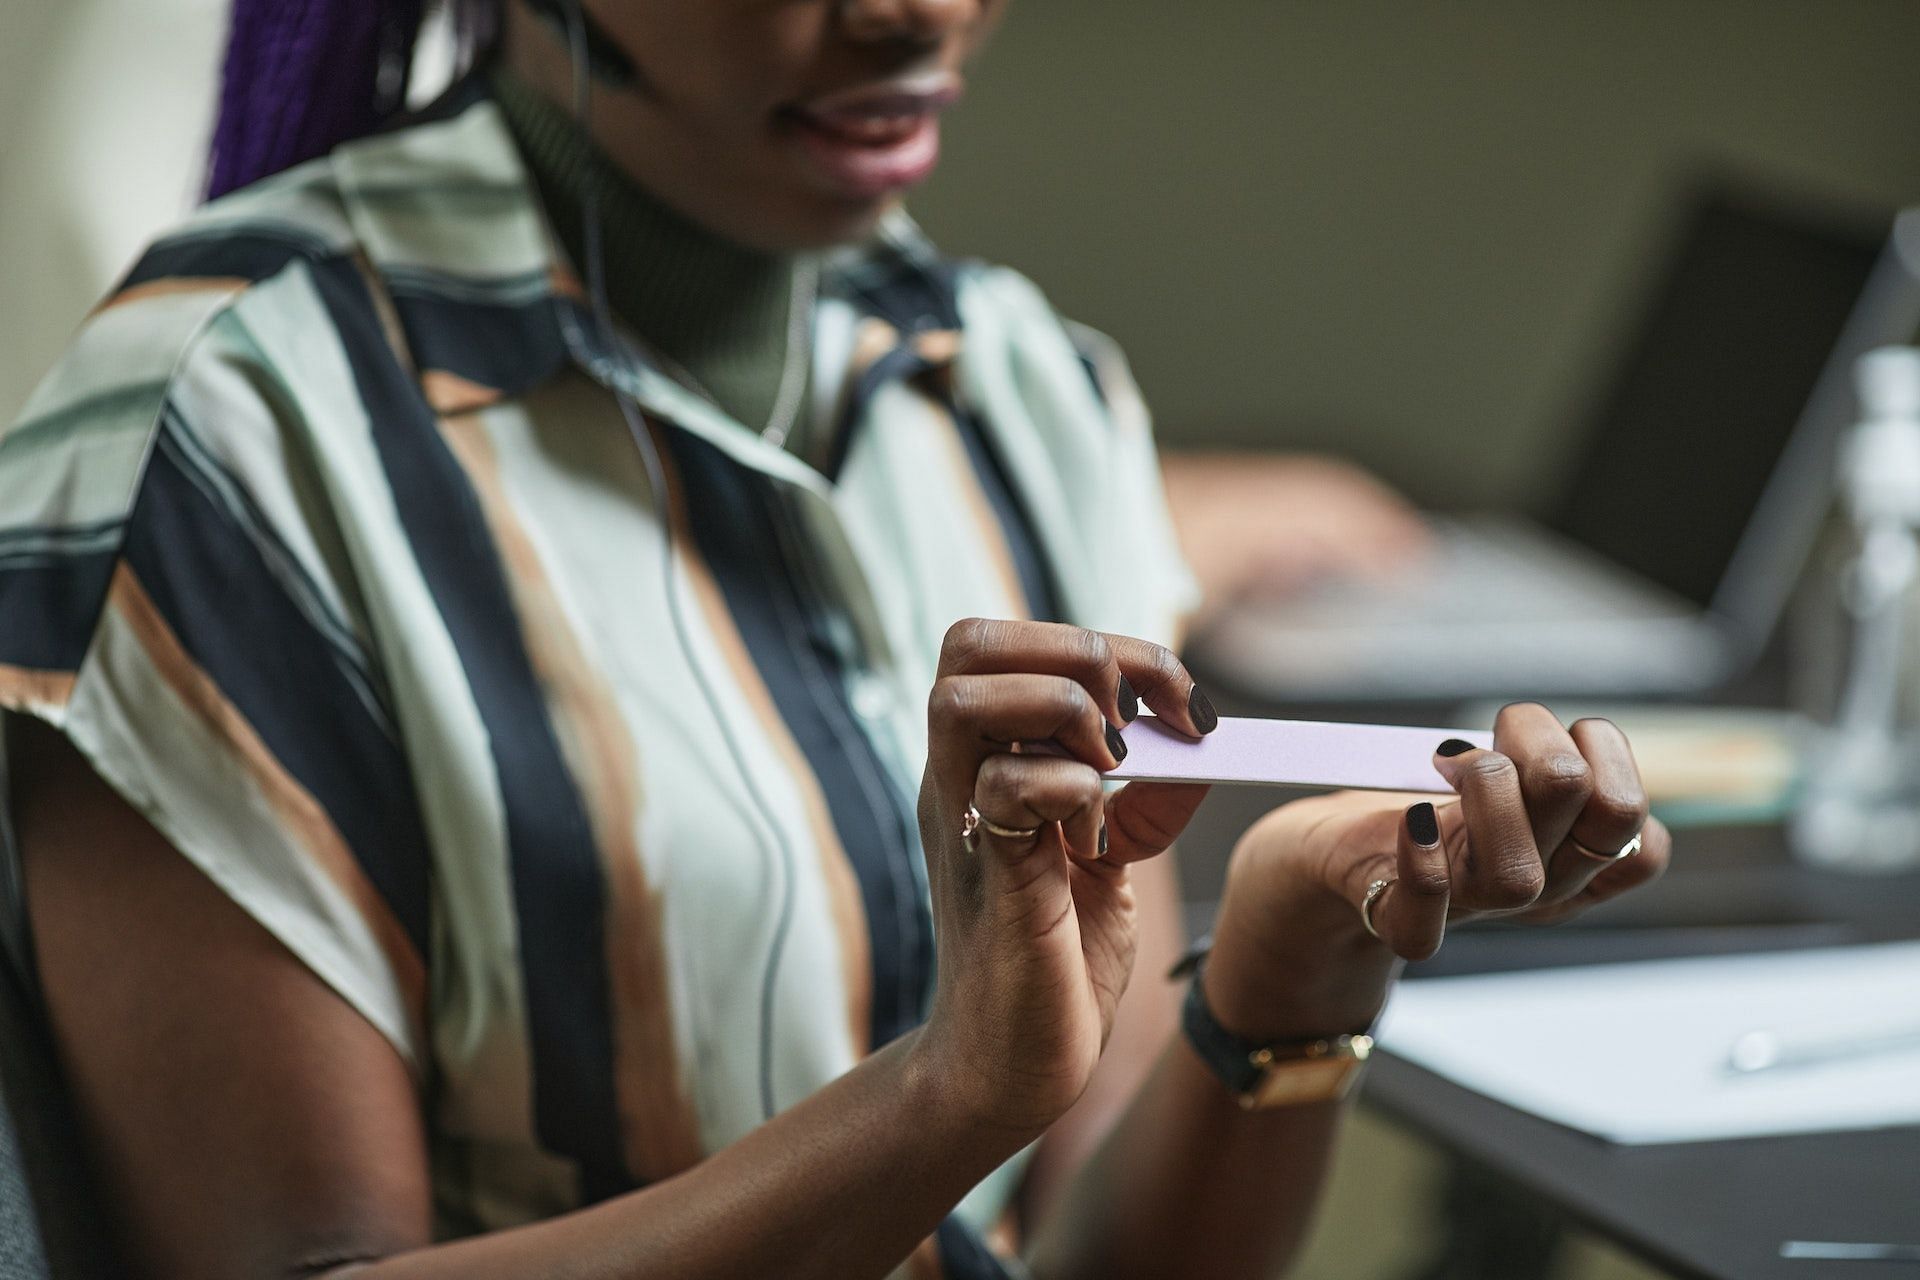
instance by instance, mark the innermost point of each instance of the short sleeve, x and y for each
(173, 600)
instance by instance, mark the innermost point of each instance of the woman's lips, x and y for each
(869, 144)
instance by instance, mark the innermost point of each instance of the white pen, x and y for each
(1833, 1251)
(1773, 1050)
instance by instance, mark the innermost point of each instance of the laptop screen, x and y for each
(1683, 441)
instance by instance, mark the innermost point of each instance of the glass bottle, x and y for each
(1860, 809)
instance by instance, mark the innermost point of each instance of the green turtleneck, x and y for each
(718, 309)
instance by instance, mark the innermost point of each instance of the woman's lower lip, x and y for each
(867, 171)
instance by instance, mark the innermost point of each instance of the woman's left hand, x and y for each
(1525, 839)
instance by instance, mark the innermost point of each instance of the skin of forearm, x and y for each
(1189, 1184)
(845, 1184)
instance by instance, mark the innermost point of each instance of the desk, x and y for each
(1710, 1209)
(1714, 1210)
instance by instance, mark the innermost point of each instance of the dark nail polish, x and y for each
(1116, 744)
(1455, 747)
(1424, 825)
(1205, 718)
(1103, 841)
(1129, 700)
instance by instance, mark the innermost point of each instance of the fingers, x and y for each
(973, 717)
(983, 646)
(1643, 868)
(1021, 792)
(1118, 672)
(1145, 818)
(1496, 865)
(1616, 878)
(1006, 685)
(1411, 914)
(1613, 811)
(1556, 780)
(1578, 784)
(1617, 810)
(1163, 683)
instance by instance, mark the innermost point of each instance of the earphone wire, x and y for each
(593, 254)
(787, 403)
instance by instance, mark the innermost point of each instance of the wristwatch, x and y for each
(1284, 1074)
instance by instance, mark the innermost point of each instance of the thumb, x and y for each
(1145, 818)
(1412, 914)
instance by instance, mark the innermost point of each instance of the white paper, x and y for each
(1638, 1053)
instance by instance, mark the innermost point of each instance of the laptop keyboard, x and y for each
(1480, 572)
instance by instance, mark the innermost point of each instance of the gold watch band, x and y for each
(1270, 1075)
(1319, 1071)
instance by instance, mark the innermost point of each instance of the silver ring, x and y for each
(972, 823)
(1373, 894)
(1626, 850)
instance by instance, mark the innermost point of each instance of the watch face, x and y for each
(1303, 1081)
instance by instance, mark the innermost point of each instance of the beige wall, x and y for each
(104, 107)
(1403, 229)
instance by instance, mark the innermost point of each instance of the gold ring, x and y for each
(1375, 891)
(1626, 850)
(972, 823)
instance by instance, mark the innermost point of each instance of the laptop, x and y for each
(1662, 563)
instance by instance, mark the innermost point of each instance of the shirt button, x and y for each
(872, 700)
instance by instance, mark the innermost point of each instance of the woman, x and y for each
(477, 807)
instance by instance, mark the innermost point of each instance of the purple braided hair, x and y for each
(303, 76)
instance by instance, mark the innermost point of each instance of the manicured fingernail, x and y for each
(1116, 744)
(1423, 824)
(1129, 700)
(1454, 747)
(1200, 707)
(1103, 842)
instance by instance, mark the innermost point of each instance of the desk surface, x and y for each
(1708, 1209)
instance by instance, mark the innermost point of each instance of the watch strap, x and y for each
(1226, 1054)
(1270, 1075)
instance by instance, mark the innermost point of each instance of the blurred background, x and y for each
(1419, 236)
(1409, 232)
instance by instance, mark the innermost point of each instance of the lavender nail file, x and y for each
(1291, 753)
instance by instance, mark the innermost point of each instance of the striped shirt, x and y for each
(327, 543)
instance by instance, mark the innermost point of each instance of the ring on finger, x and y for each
(1375, 891)
(972, 823)
(1626, 850)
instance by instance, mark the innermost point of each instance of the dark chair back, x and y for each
(21, 1254)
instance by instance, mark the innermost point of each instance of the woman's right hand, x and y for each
(1035, 930)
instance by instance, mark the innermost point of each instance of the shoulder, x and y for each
(71, 467)
(203, 346)
(102, 402)
(390, 248)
